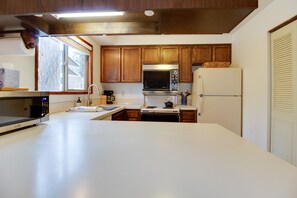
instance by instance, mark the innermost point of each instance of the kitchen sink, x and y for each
(108, 107)
(85, 109)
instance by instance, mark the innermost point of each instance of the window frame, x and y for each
(89, 71)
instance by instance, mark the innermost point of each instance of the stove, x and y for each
(160, 114)
(156, 109)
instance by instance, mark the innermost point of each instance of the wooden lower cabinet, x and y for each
(121, 115)
(188, 116)
(127, 114)
(133, 114)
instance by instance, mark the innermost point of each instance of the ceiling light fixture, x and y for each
(149, 13)
(88, 14)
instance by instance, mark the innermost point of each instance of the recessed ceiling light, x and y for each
(88, 14)
(149, 13)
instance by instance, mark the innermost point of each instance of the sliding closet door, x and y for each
(284, 93)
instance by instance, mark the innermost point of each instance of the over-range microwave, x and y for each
(160, 77)
(22, 109)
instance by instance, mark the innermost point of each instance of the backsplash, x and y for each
(131, 93)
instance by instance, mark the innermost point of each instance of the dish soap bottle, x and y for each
(78, 102)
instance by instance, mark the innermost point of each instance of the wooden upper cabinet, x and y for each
(151, 55)
(169, 54)
(201, 54)
(221, 53)
(131, 64)
(185, 64)
(159, 54)
(110, 64)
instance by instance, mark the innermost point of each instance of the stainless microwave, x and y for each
(160, 78)
(22, 109)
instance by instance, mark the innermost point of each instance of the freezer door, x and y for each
(218, 81)
(223, 110)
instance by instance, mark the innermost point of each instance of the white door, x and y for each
(283, 93)
(219, 81)
(223, 110)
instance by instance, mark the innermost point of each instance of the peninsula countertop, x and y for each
(74, 156)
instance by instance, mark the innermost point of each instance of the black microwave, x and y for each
(22, 109)
(160, 80)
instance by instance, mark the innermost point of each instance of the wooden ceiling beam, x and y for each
(36, 24)
(139, 5)
(111, 28)
(18, 7)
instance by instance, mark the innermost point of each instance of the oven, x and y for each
(159, 114)
(160, 117)
(22, 109)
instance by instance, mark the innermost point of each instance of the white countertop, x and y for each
(187, 107)
(72, 156)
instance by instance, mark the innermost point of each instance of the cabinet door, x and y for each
(150, 55)
(201, 54)
(110, 64)
(221, 53)
(133, 114)
(169, 54)
(119, 115)
(185, 64)
(131, 64)
(188, 116)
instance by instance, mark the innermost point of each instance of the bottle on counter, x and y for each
(78, 102)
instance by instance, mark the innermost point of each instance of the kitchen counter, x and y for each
(101, 115)
(187, 107)
(73, 155)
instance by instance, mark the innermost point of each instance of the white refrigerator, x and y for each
(216, 93)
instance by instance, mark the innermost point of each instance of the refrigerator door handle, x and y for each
(200, 105)
(200, 82)
(201, 86)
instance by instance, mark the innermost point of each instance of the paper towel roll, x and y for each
(14, 46)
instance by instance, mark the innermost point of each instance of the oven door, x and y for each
(160, 117)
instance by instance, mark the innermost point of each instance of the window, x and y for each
(63, 64)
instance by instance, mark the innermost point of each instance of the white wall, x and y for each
(250, 50)
(25, 65)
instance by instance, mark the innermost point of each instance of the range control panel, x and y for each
(174, 85)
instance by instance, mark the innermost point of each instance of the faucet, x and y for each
(89, 101)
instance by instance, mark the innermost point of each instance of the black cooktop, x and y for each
(154, 107)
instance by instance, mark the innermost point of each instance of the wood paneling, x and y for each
(162, 4)
(171, 16)
(201, 21)
(46, 6)
(131, 64)
(111, 64)
(104, 28)
(38, 6)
